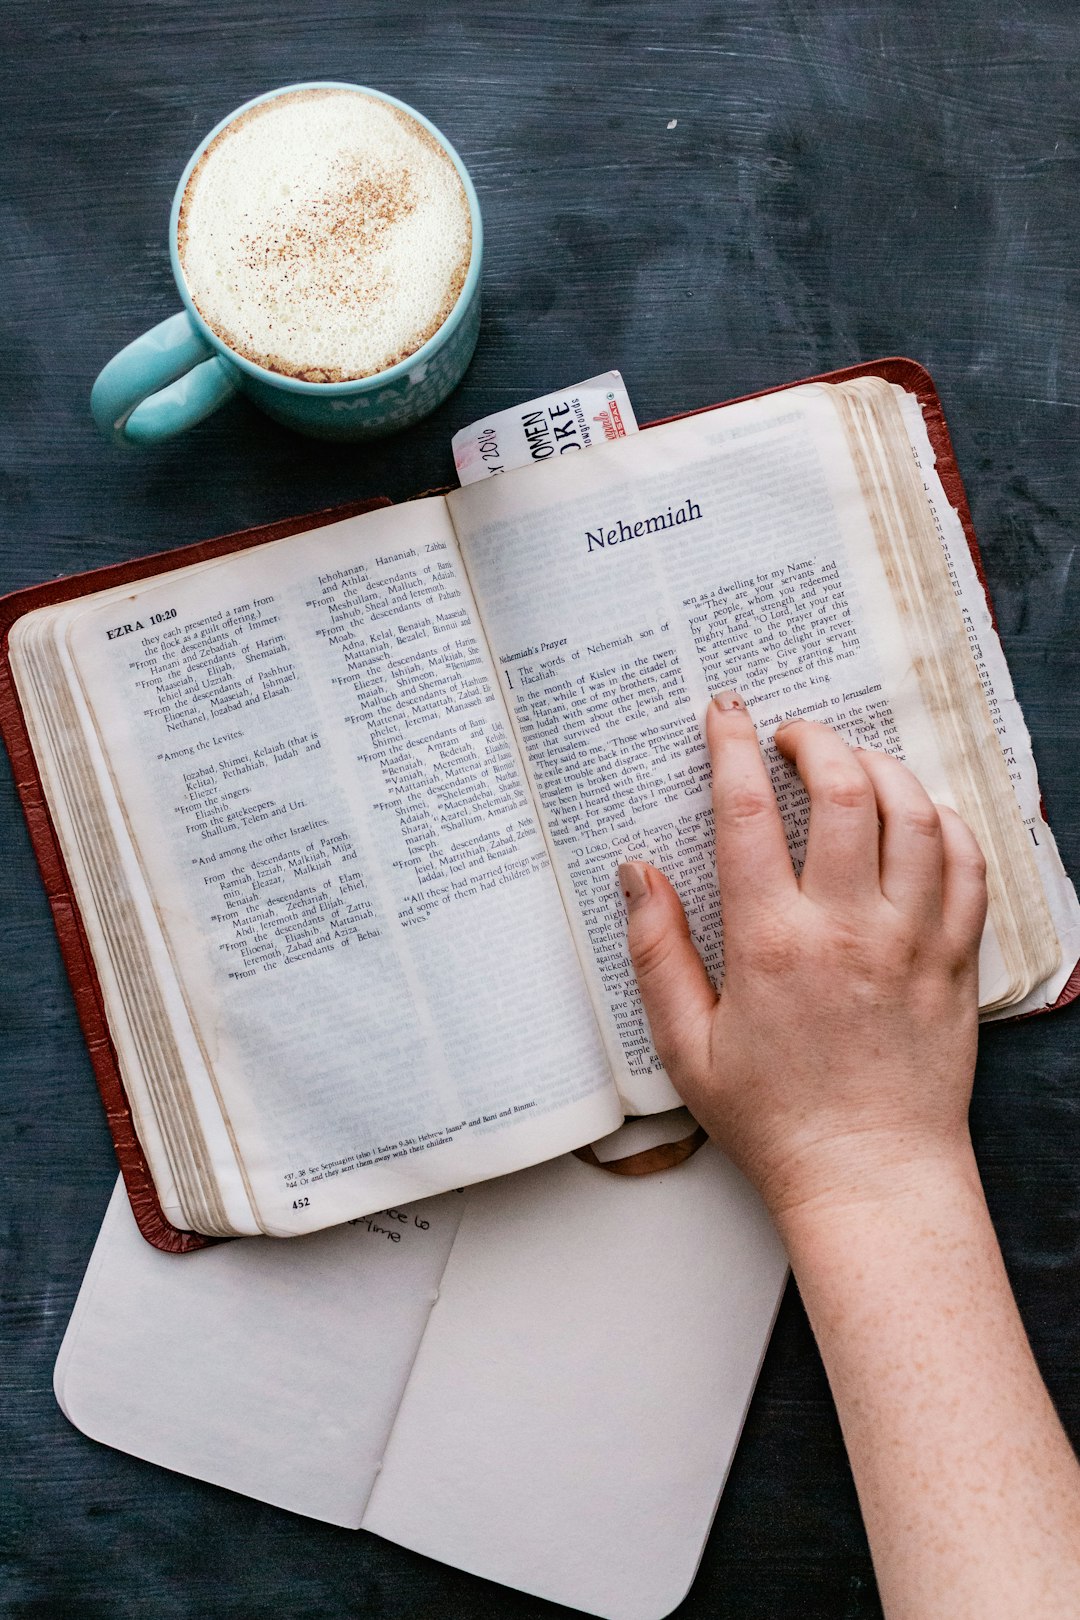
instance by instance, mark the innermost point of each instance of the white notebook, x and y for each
(541, 1380)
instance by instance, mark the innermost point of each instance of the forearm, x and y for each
(835, 1069)
(968, 1486)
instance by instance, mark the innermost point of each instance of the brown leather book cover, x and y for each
(73, 943)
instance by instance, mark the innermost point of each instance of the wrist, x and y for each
(824, 1218)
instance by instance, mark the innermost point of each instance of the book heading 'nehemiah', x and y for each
(686, 513)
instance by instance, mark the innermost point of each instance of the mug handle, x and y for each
(163, 383)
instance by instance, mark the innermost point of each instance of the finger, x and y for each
(842, 843)
(752, 859)
(963, 899)
(676, 991)
(911, 849)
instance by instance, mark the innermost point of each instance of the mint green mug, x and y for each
(180, 371)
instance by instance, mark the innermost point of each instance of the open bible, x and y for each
(342, 813)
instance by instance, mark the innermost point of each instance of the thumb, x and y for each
(676, 991)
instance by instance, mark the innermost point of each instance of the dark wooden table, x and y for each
(713, 198)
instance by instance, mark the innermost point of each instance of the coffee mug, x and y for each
(181, 370)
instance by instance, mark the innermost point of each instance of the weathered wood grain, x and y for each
(843, 180)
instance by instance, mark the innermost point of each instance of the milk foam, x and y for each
(325, 235)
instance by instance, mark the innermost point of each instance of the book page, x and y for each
(318, 777)
(574, 1407)
(1005, 711)
(149, 1026)
(272, 1369)
(731, 549)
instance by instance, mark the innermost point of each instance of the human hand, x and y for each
(835, 1069)
(836, 1065)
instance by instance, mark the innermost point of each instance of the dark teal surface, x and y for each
(843, 181)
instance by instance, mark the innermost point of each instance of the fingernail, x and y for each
(634, 882)
(728, 700)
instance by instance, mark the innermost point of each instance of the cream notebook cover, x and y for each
(541, 1380)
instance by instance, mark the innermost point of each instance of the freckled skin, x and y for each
(836, 1070)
